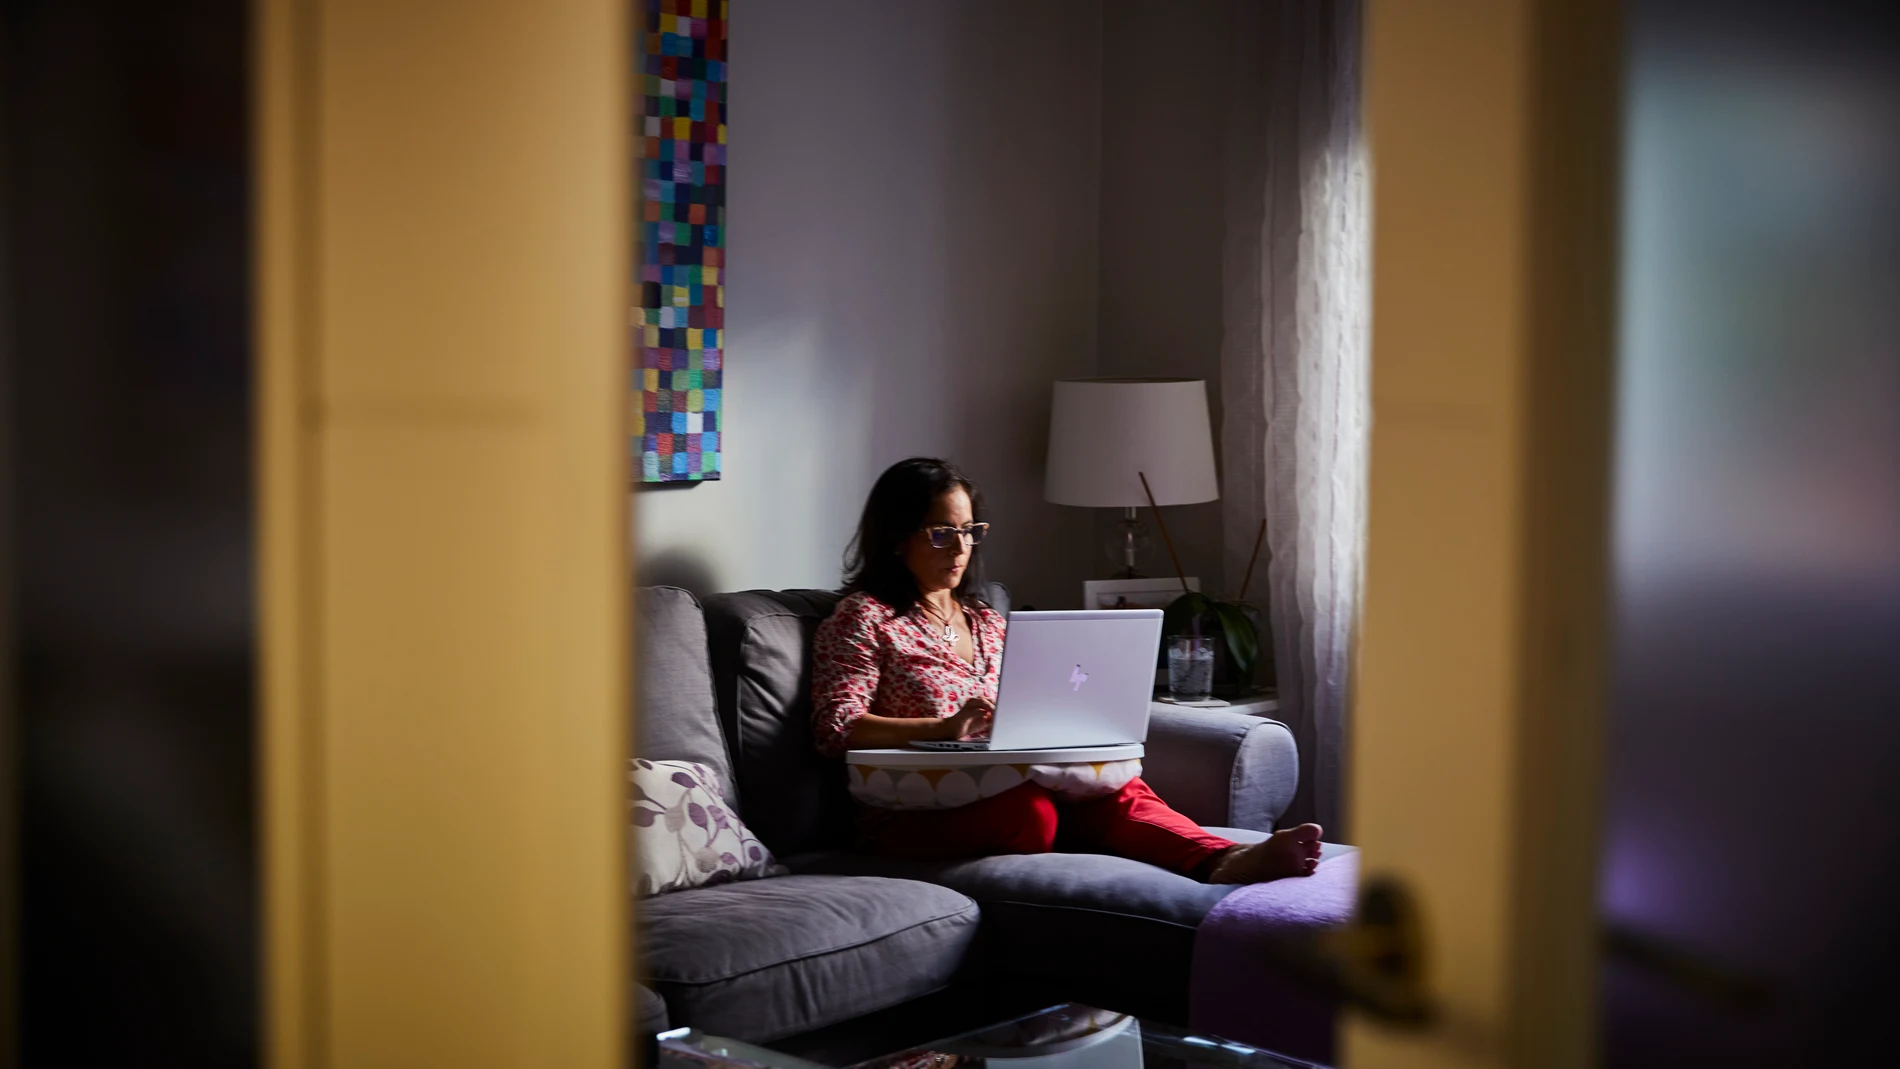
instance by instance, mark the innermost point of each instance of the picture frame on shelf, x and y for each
(1133, 593)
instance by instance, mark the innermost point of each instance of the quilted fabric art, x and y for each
(679, 317)
(950, 788)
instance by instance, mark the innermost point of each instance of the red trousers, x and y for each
(1133, 823)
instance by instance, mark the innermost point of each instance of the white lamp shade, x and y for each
(1103, 432)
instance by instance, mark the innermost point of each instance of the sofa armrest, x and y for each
(1220, 768)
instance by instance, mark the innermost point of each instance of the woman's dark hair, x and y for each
(897, 507)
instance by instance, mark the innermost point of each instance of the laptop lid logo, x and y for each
(1077, 677)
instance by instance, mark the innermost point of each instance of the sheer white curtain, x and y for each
(1294, 359)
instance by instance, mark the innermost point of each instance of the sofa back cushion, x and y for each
(791, 797)
(677, 719)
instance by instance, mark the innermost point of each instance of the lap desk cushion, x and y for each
(764, 959)
(912, 778)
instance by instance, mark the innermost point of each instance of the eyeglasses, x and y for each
(943, 536)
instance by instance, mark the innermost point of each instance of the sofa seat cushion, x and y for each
(770, 958)
(1070, 926)
(1088, 928)
(1094, 883)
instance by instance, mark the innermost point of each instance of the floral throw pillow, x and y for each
(681, 835)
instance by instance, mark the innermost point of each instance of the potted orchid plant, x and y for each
(1237, 637)
(1198, 615)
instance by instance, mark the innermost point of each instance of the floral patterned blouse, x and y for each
(869, 658)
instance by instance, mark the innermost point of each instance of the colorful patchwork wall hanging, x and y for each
(679, 324)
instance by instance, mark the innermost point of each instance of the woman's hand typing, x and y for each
(970, 722)
(871, 732)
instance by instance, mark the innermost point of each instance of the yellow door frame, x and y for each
(1476, 738)
(443, 198)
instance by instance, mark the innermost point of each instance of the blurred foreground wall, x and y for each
(1752, 798)
(127, 389)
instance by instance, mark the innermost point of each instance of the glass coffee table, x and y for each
(1068, 1036)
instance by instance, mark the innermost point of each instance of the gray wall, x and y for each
(913, 219)
(1162, 141)
(932, 220)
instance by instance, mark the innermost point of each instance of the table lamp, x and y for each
(1106, 434)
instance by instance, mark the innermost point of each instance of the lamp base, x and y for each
(1127, 542)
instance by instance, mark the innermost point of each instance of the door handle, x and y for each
(1376, 961)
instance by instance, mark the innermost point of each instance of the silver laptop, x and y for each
(1072, 679)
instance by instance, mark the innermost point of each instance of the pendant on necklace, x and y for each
(950, 634)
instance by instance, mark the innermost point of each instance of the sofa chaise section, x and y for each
(1071, 926)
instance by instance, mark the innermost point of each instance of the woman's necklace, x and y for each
(949, 622)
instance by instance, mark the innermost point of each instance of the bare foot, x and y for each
(1290, 852)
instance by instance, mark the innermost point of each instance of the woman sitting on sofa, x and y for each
(913, 653)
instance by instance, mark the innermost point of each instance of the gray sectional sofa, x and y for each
(845, 934)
